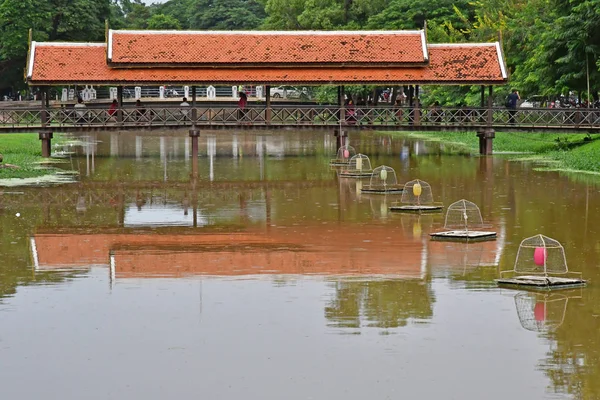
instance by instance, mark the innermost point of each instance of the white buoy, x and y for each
(18, 215)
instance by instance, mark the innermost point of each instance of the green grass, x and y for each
(582, 158)
(25, 151)
(570, 152)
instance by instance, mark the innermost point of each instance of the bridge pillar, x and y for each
(486, 138)
(46, 138)
(341, 137)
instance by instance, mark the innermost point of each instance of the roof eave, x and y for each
(275, 82)
(318, 65)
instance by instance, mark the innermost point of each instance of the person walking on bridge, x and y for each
(512, 103)
(242, 102)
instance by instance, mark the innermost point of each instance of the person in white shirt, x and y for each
(185, 112)
(80, 110)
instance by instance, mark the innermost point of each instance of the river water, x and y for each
(267, 276)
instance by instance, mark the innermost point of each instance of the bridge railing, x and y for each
(293, 115)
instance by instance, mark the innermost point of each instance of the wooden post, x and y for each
(342, 104)
(417, 107)
(268, 104)
(490, 108)
(120, 102)
(194, 109)
(483, 96)
(45, 135)
(44, 112)
(487, 135)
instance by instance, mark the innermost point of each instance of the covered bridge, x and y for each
(200, 58)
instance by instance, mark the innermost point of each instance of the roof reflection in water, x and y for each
(298, 250)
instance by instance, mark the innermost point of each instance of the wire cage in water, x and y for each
(539, 260)
(542, 255)
(463, 215)
(358, 167)
(541, 312)
(464, 222)
(383, 181)
(344, 155)
(417, 196)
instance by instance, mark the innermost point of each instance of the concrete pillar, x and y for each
(46, 138)
(486, 139)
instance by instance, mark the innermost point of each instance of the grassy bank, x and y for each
(25, 151)
(570, 152)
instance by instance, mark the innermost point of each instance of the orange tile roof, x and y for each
(72, 63)
(233, 48)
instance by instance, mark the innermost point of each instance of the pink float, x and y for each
(539, 256)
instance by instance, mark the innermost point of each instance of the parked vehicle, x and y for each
(534, 102)
(289, 92)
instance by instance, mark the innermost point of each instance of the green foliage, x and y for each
(326, 94)
(178, 9)
(406, 14)
(162, 21)
(53, 20)
(580, 158)
(226, 14)
(24, 151)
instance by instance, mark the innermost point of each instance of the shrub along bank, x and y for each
(569, 152)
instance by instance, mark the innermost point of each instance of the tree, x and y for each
(137, 15)
(53, 20)
(178, 9)
(283, 14)
(226, 14)
(162, 21)
(406, 14)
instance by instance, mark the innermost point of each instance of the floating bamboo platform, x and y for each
(339, 163)
(356, 174)
(417, 208)
(388, 190)
(464, 236)
(540, 282)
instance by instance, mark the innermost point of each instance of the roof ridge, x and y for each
(267, 33)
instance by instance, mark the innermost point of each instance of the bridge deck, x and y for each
(257, 117)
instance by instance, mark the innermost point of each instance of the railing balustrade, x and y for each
(294, 115)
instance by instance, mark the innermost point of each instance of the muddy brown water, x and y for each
(268, 277)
